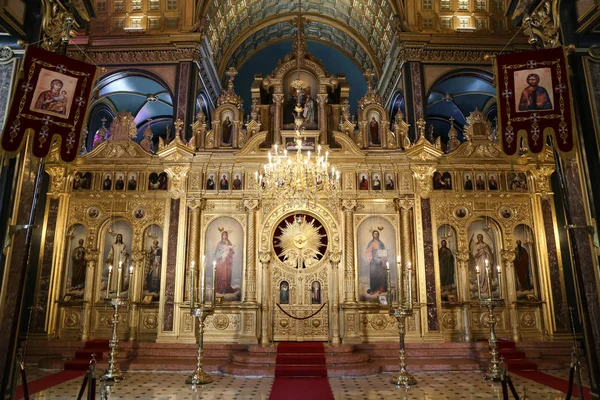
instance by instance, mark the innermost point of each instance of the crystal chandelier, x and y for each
(298, 178)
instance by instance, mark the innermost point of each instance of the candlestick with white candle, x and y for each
(478, 281)
(108, 281)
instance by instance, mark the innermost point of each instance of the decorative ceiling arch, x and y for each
(316, 31)
(369, 22)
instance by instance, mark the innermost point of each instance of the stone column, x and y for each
(265, 258)
(335, 258)
(278, 101)
(322, 102)
(169, 293)
(251, 206)
(136, 286)
(349, 206)
(91, 258)
(462, 262)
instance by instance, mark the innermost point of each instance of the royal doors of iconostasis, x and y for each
(301, 291)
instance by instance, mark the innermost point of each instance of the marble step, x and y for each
(269, 359)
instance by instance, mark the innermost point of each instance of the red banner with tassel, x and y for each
(534, 100)
(50, 100)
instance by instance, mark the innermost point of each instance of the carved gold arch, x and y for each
(243, 36)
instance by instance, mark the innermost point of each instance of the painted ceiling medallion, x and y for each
(300, 243)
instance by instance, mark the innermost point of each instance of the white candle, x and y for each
(109, 279)
(478, 282)
(203, 272)
(214, 279)
(119, 277)
(499, 281)
(192, 276)
(489, 281)
(399, 285)
(388, 291)
(410, 288)
(130, 289)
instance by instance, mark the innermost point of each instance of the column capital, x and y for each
(335, 257)
(264, 257)
(252, 204)
(194, 203)
(349, 205)
(405, 204)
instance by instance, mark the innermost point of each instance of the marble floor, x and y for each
(430, 386)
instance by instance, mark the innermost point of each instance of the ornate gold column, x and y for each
(91, 258)
(349, 206)
(335, 258)
(510, 294)
(251, 206)
(194, 206)
(265, 258)
(462, 261)
(278, 100)
(137, 257)
(322, 102)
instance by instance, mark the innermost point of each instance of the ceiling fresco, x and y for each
(314, 31)
(368, 22)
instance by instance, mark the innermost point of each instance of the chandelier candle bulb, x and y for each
(108, 280)
(478, 281)
(499, 281)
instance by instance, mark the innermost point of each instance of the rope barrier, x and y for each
(301, 318)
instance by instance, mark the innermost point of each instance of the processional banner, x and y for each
(51, 99)
(534, 100)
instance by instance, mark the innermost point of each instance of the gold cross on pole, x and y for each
(231, 73)
(369, 74)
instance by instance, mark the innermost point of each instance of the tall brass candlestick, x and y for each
(119, 277)
(214, 279)
(108, 281)
(192, 276)
(202, 287)
(478, 281)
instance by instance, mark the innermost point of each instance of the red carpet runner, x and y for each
(301, 372)
(48, 381)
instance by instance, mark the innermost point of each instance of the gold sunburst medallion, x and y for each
(300, 242)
